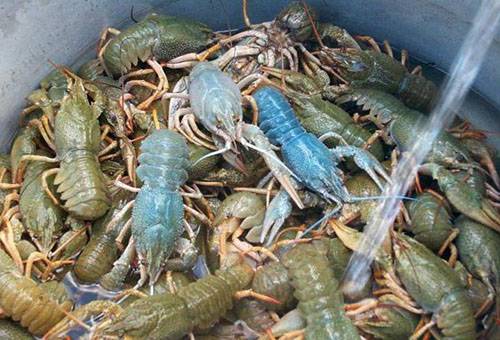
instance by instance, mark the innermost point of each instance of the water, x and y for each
(464, 71)
(82, 294)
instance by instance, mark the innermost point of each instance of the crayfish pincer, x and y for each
(169, 316)
(158, 210)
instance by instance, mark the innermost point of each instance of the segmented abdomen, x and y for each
(417, 92)
(479, 250)
(319, 295)
(453, 316)
(164, 160)
(81, 184)
(133, 44)
(430, 221)
(24, 301)
(97, 257)
(56, 290)
(273, 279)
(168, 316)
(382, 107)
(163, 37)
(276, 117)
(209, 298)
(157, 224)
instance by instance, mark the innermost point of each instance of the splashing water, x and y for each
(464, 71)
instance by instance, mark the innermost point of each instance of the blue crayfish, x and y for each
(157, 217)
(314, 164)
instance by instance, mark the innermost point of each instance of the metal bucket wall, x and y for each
(32, 32)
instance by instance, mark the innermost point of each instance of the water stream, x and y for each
(463, 72)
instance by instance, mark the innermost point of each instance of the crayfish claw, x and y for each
(235, 162)
(287, 184)
(279, 209)
(365, 161)
(279, 170)
(465, 196)
(490, 215)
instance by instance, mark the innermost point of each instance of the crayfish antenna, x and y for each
(371, 198)
(227, 147)
(65, 70)
(211, 154)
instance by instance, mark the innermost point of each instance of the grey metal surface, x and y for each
(35, 31)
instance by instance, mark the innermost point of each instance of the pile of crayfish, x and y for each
(214, 186)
